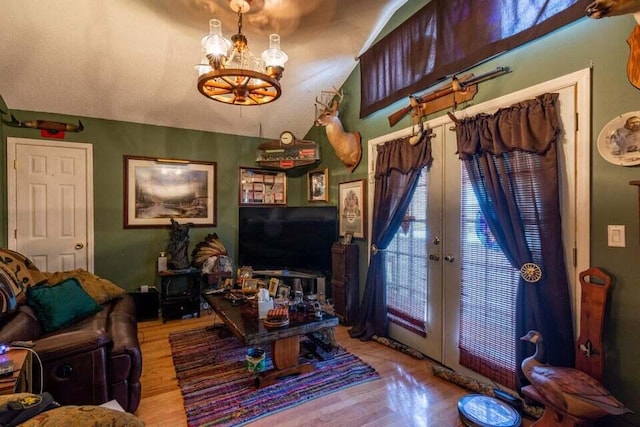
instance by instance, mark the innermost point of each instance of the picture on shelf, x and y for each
(228, 283)
(244, 272)
(250, 286)
(284, 291)
(273, 286)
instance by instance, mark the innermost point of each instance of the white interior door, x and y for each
(444, 198)
(50, 203)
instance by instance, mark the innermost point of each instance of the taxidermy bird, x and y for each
(567, 389)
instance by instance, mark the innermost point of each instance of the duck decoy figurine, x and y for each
(567, 390)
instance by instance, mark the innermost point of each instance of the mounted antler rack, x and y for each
(52, 128)
(460, 90)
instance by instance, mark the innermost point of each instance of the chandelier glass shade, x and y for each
(228, 72)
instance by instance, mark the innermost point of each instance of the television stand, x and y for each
(309, 280)
(286, 273)
(179, 293)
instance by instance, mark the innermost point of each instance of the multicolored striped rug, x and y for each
(218, 390)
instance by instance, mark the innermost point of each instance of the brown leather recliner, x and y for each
(90, 362)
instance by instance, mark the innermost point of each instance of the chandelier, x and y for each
(231, 74)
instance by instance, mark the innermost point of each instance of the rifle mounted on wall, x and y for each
(455, 86)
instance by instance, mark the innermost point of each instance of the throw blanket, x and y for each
(101, 290)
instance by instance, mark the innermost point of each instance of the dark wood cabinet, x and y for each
(179, 293)
(345, 281)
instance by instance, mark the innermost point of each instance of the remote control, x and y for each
(6, 368)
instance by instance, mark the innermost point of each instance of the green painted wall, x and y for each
(587, 42)
(128, 256)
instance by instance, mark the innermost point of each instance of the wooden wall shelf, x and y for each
(275, 154)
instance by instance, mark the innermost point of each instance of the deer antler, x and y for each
(340, 94)
(334, 103)
(326, 107)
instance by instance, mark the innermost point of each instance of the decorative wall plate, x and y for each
(619, 140)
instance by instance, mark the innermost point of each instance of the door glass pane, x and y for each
(487, 300)
(406, 265)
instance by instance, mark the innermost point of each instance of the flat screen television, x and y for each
(287, 238)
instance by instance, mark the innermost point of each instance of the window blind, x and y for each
(406, 265)
(488, 281)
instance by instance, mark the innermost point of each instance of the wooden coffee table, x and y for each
(285, 341)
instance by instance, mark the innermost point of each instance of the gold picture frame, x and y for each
(273, 286)
(284, 292)
(318, 185)
(262, 187)
(352, 208)
(250, 286)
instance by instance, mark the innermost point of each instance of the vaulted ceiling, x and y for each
(133, 60)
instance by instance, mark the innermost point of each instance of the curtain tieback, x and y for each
(375, 250)
(531, 272)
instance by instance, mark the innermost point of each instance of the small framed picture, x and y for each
(352, 215)
(318, 186)
(273, 286)
(348, 236)
(228, 283)
(250, 286)
(284, 291)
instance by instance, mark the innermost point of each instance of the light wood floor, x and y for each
(408, 394)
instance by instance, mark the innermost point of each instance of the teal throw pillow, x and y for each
(60, 305)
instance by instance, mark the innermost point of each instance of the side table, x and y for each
(21, 378)
(147, 304)
(179, 293)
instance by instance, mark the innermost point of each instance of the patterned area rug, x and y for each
(218, 390)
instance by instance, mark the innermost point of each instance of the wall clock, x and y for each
(619, 140)
(286, 138)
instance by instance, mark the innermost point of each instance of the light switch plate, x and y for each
(615, 235)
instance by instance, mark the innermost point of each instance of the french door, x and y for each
(435, 230)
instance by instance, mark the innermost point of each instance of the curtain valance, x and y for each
(403, 157)
(530, 126)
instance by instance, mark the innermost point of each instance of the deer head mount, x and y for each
(346, 145)
(601, 8)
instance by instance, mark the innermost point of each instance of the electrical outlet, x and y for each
(616, 236)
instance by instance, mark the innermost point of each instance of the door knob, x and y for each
(434, 257)
(449, 258)
(79, 246)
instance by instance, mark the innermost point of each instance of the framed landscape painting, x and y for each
(157, 190)
(352, 208)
